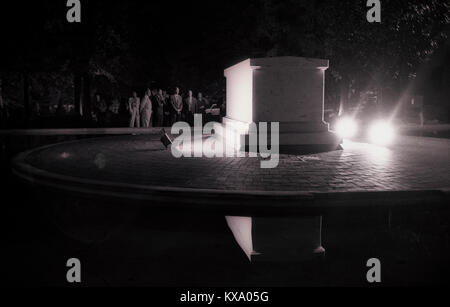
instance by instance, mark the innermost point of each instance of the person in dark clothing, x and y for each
(176, 102)
(100, 108)
(159, 109)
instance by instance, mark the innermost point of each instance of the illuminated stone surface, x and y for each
(288, 90)
(411, 164)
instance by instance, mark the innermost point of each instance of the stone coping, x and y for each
(247, 201)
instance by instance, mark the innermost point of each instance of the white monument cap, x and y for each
(290, 61)
(280, 62)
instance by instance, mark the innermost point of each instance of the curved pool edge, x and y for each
(228, 201)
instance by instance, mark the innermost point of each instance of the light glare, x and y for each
(381, 133)
(346, 128)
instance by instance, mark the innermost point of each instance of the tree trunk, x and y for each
(78, 94)
(86, 94)
(26, 99)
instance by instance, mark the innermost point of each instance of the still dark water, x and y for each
(119, 243)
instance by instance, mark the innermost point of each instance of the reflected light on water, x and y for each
(241, 227)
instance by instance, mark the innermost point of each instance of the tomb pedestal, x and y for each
(288, 90)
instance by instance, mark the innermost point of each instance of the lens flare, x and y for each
(346, 127)
(381, 133)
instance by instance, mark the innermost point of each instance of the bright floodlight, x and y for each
(346, 127)
(381, 133)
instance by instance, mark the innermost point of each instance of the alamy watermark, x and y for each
(374, 273)
(374, 13)
(74, 12)
(215, 140)
(73, 274)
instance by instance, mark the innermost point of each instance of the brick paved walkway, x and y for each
(414, 164)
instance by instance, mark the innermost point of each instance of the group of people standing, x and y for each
(157, 108)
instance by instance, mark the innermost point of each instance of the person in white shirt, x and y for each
(190, 105)
(146, 110)
(133, 107)
(177, 106)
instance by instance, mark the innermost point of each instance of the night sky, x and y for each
(190, 43)
(172, 40)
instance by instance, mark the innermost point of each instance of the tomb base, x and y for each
(294, 137)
